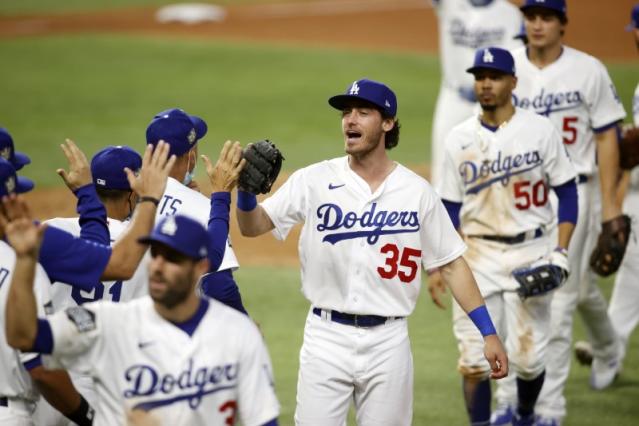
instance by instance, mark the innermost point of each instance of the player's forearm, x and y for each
(251, 217)
(21, 309)
(127, 252)
(564, 233)
(56, 387)
(609, 172)
(459, 278)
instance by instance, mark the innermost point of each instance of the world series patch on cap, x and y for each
(179, 129)
(10, 183)
(107, 167)
(182, 234)
(493, 58)
(8, 152)
(371, 91)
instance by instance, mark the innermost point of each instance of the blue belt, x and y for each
(582, 178)
(4, 402)
(355, 320)
(512, 239)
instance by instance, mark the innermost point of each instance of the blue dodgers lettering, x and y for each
(500, 169)
(475, 37)
(192, 384)
(547, 103)
(372, 223)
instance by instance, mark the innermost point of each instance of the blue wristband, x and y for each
(482, 320)
(246, 201)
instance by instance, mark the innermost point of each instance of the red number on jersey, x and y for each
(406, 261)
(232, 407)
(570, 131)
(526, 195)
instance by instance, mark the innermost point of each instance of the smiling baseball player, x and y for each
(464, 26)
(575, 92)
(498, 171)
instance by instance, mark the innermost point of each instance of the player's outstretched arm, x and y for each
(251, 217)
(21, 313)
(609, 172)
(149, 185)
(459, 278)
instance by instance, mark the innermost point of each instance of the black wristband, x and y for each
(83, 415)
(150, 199)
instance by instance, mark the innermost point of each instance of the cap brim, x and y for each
(342, 101)
(23, 184)
(472, 70)
(20, 160)
(200, 126)
(163, 239)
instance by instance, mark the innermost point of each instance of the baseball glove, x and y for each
(629, 148)
(611, 246)
(263, 164)
(543, 275)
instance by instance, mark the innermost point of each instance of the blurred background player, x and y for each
(183, 133)
(504, 213)
(8, 152)
(465, 26)
(624, 302)
(574, 90)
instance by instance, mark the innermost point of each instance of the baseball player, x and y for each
(155, 353)
(183, 132)
(464, 26)
(22, 374)
(8, 152)
(575, 92)
(624, 302)
(498, 170)
(369, 224)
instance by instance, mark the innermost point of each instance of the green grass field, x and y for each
(104, 89)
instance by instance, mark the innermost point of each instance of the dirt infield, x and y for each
(390, 25)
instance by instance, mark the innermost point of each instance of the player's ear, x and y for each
(388, 123)
(514, 83)
(202, 267)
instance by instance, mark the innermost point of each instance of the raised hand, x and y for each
(21, 232)
(156, 166)
(225, 174)
(79, 173)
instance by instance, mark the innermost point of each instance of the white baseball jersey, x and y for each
(140, 360)
(464, 28)
(15, 381)
(635, 106)
(502, 178)
(360, 252)
(180, 199)
(578, 96)
(64, 295)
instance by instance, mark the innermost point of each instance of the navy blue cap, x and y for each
(368, 90)
(493, 58)
(8, 152)
(179, 129)
(554, 5)
(182, 234)
(10, 183)
(107, 167)
(634, 18)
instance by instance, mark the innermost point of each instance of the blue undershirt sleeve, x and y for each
(271, 423)
(568, 208)
(218, 227)
(93, 218)
(32, 363)
(44, 338)
(453, 208)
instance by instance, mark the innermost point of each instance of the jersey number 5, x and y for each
(570, 131)
(391, 267)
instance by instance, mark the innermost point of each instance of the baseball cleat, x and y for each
(547, 421)
(528, 420)
(503, 415)
(603, 373)
(583, 352)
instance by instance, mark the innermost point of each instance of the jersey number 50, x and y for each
(391, 267)
(525, 194)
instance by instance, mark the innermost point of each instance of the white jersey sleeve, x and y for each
(287, 207)
(450, 187)
(606, 107)
(557, 164)
(635, 106)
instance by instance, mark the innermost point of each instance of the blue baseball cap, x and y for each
(8, 152)
(10, 183)
(493, 58)
(182, 234)
(558, 6)
(107, 167)
(371, 91)
(177, 128)
(634, 19)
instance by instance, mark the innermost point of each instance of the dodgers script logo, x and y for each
(547, 103)
(190, 385)
(474, 37)
(373, 223)
(500, 168)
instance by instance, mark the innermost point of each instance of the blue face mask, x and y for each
(189, 175)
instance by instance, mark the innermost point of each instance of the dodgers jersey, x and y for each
(578, 96)
(64, 295)
(180, 199)
(139, 360)
(15, 381)
(360, 252)
(464, 28)
(502, 178)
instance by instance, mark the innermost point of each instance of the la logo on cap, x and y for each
(169, 227)
(488, 57)
(354, 89)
